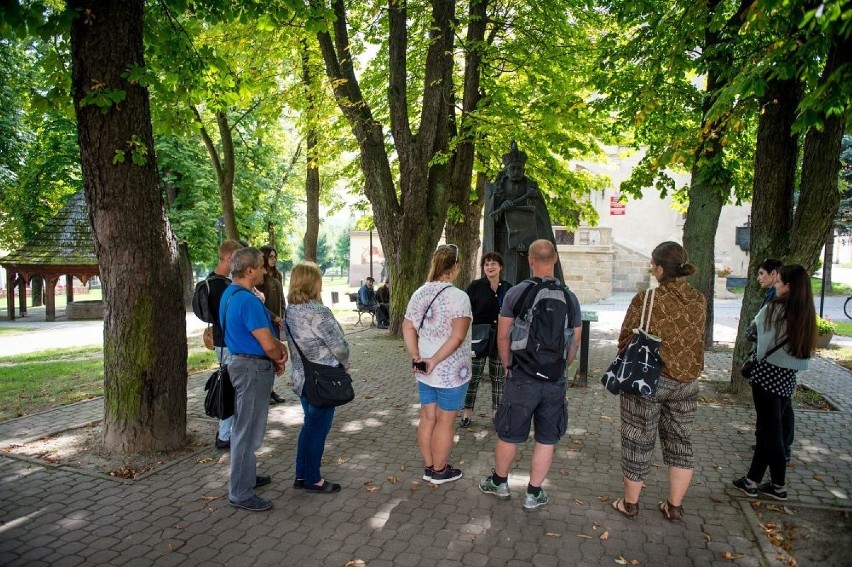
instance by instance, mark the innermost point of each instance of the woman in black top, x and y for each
(273, 297)
(486, 297)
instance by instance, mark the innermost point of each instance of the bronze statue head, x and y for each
(514, 162)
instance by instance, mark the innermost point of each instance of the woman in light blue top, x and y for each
(312, 327)
(787, 322)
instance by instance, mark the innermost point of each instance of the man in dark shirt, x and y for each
(528, 399)
(367, 300)
(219, 280)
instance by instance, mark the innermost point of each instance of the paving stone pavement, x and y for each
(387, 516)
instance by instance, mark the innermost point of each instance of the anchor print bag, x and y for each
(637, 369)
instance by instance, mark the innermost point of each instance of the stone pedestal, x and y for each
(720, 289)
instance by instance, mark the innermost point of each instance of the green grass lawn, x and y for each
(38, 381)
(844, 328)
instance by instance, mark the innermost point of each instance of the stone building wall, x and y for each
(630, 269)
(587, 264)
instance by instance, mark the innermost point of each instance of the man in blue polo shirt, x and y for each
(256, 357)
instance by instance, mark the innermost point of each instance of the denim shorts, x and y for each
(448, 399)
(531, 401)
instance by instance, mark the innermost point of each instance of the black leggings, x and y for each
(769, 451)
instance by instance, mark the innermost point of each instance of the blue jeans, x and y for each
(252, 379)
(224, 356)
(312, 441)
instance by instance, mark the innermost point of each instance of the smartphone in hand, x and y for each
(421, 366)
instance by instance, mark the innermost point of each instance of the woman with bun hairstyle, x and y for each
(789, 320)
(677, 318)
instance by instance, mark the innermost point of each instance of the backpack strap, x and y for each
(521, 307)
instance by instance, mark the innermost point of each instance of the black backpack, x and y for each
(201, 299)
(541, 330)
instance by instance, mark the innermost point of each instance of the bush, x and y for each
(825, 325)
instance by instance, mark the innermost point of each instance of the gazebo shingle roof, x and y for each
(65, 246)
(65, 241)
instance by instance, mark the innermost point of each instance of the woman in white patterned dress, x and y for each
(436, 329)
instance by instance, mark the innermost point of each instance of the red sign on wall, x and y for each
(616, 208)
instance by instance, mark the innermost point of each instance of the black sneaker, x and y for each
(427, 474)
(253, 504)
(448, 474)
(222, 444)
(776, 492)
(747, 488)
(262, 480)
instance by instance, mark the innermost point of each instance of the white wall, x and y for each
(650, 220)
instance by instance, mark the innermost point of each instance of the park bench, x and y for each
(361, 310)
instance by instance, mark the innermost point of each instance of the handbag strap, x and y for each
(305, 362)
(423, 320)
(776, 347)
(643, 324)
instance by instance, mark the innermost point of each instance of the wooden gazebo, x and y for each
(64, 247)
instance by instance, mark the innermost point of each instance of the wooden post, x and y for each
(22, 294)
(50, 298)
(69, 288)
(10, 293)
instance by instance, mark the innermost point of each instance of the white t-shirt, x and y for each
(452, 303)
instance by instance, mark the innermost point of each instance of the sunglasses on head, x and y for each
(452, 247)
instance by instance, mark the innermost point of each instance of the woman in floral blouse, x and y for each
(312, 327)
(677, 318)
(436, 329)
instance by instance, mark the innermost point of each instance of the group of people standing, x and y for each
(247, 329)
(436, 330)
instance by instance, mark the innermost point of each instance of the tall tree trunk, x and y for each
(409, 223)
(312, 174)
(819, 197)
(144, 320)
(464, 231)
(463, 219)
(224, 166)
(772, 201)
(710, 185)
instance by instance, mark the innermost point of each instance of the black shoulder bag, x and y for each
(220, 397)
(751, 362)
(325, 386)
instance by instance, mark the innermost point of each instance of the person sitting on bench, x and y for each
(367, 300)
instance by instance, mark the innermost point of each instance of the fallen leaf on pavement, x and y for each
(579, 502)
(553, 534)
(604, 498)
(731, 556)
(392, 479)
(356, 563)
(584, 536)
(604, 535)
(817, 477)
(341, 460)
(372, 489)
(204, 460)
(707, 538)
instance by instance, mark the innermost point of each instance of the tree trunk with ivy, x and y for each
(144, 320)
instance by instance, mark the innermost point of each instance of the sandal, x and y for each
(626, 509)
(671, 512)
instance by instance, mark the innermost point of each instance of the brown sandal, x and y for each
(627, 509)
(671, 512)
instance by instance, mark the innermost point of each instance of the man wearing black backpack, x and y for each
(212, 289)
(537, 337)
